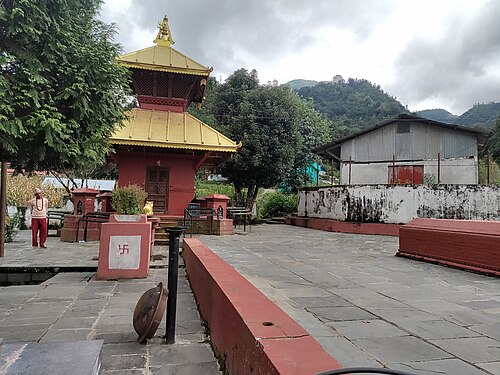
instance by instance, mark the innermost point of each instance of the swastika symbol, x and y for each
(123, 249)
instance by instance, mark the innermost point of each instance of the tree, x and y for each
(494, 141)
(61, 90)
(277, 130)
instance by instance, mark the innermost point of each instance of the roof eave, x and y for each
(170, 145)
(171, 69)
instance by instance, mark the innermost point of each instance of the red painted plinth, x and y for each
(330, 225)
(251, 333)
(125, 248)
(69, 231)
(215, 201)
(468, 244)
(84, 200)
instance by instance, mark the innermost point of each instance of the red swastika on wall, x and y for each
(123, 249)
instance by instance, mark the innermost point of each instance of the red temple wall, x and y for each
(132, 170)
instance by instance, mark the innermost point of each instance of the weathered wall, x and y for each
(400, 204)
(409, 141)
(453, 171)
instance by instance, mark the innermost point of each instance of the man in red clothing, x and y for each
(39, 206)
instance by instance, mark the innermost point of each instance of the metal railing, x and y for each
(92, 217)
(198, 214)
(58, 216)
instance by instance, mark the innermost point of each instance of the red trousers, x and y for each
(38, 224)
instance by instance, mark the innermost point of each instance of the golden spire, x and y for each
(164, 38)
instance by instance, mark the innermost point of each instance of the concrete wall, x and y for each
(400, 204)
(453, 171)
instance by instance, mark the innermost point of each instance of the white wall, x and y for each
(401, 203)
(453, 171)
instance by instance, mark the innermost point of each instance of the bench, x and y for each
(469, 244)
(242, 213)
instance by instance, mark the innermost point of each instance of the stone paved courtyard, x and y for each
(71, 306)
(368, 307)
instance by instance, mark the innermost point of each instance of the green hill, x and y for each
(297, 84)
(356, 103)
(438, 114)
(483, 115)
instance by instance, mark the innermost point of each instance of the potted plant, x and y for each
(128, 201)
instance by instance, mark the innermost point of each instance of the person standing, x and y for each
(39, 206)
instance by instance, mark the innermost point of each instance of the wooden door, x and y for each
(157, 188)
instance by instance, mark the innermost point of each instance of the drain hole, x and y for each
(25, 278)
(267, 324)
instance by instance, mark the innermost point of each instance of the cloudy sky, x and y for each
(426, 53)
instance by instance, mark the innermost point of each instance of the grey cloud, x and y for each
(215, 31)
(460, 68)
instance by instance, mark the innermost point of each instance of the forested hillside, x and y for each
(438, 114)
(355, 104)
(483, 115)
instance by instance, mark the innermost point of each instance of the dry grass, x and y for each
(20, 190)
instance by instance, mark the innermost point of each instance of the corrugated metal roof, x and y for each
(170, 130)
(108, 185)
(332, 149)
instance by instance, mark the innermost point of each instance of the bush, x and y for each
(128, 200)
(11, 227)
(275, 204)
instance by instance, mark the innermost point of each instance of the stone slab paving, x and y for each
(368, 307)
(71, 306)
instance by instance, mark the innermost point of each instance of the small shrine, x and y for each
(161, 145)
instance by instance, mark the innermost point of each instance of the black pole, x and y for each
(173, 273)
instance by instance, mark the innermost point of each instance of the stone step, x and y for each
(57, 358)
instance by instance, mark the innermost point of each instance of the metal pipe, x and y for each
(488, 170)
(173, 274)
(333, 165)
(350, 169)
(439, 167)
(394, 180)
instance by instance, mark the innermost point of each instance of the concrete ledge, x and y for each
(469, 244)
(330, 225)
(248, 331)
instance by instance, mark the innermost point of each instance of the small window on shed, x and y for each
(403, 127)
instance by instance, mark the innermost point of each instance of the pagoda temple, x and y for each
(161, 146)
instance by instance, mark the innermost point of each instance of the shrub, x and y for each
(128, 200)
(11, 227)
(275, 204)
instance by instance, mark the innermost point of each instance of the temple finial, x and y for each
(164, 38)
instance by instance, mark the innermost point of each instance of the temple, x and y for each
(161, 146)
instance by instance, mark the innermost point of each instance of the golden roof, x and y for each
(150, 128)
(162, 57)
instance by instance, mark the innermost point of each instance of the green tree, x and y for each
(276, 127)
(494, 141)
(61, 90)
